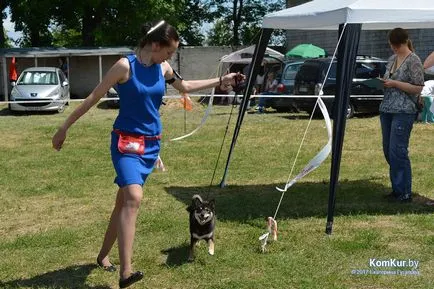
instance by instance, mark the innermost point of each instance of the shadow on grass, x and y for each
(176, 256)
(366, 114)
(294, 116)
(69, 277)
(303, 115)
(107, 104)
(5, 112)
(243, 203)
(8, 112)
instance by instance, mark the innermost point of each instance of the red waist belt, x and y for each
(147, 137)
(133, 143)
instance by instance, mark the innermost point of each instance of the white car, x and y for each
(40, 89)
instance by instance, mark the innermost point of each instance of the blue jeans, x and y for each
(396, 129)
(263, 100)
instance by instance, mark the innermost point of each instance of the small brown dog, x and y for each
(202, 224)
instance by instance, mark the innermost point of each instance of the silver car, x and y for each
(40, 89)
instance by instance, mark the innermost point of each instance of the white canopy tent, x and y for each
(373, 14)
(350, 17)
(245, 55)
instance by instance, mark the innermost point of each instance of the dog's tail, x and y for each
(196, 201)
(197, 197)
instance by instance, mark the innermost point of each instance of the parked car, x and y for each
(366, 90)
(42, 89)
(285, 86)
(112, 93)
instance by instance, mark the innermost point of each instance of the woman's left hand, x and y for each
(232, 79)
(390, 83)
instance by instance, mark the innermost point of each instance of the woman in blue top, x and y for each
(403, 81)
(135, 141)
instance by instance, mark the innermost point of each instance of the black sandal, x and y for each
(137, 276)
(110, 268)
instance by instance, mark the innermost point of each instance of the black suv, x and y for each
(366, 91)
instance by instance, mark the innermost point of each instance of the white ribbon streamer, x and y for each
(321, 156)
(207, 113)
(325, 151)
(202, 122)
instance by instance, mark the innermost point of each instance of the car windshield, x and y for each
(38, 78)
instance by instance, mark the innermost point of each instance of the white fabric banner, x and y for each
(321, 156)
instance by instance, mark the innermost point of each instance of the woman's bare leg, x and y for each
(111, 232)
(132, 196)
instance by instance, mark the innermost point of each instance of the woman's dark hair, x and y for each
(398, 36)
(157, 31)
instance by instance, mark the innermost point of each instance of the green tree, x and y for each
(220, 34)
(242, 17)
(3, 37)
(66, 37)
(5, 41)
(83, 17)
(118, 22)
(191, 20)
(123, 21)
(33, 18)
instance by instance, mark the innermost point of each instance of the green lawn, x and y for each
(54, 206)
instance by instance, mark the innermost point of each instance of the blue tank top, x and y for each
(140, 99)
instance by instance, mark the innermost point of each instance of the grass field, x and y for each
(54, 206)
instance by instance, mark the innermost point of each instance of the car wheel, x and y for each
(350, 110)
(61, 109)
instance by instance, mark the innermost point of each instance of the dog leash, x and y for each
(225, 134)
(271, 222)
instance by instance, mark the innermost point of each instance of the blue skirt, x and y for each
(133, 168)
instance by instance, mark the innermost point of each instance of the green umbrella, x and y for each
(306, 51)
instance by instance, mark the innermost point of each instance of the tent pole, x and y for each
(258, 55)
(347, 53)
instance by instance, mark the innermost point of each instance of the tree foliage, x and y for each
(74, 23)
(220, 34)
(242, 18)
(33, 18)
(3, 37)
(119, 21)
(191, 21)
